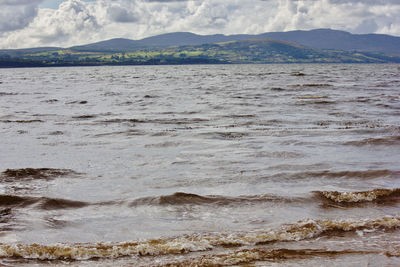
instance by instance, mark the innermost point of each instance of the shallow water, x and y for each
(209, 165)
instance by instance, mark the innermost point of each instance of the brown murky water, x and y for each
(256, 165)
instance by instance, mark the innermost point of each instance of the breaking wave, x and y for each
(306, 229)
(374, 195)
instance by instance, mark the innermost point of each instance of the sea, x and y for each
(200, 165)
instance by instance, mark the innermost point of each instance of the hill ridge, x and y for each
(316, 38)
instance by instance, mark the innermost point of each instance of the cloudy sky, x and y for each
(64, 23)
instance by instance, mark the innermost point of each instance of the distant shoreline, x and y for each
(17, 65)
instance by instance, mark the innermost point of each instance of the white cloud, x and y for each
(78, 22)
(71, 23)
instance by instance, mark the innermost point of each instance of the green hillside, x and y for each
(232, 52)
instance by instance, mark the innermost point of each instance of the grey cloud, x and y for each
(119, 14)
(17, 14)
(367, 26)
(366, 2)
(20, 2)
(166, 1)
(303, 9)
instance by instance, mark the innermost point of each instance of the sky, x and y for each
(65, 23)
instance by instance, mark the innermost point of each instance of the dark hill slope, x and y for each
(340, 40)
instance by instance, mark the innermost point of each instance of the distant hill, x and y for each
(278, 51)
(319, 38)
(159, 41)
(27, 50)
(249, 51)
(340, 40)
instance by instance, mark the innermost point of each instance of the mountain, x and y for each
(319, 39)
(158, 41)
(340, 40)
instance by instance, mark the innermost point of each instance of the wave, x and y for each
(277, 89)
(380, 196)
(248, 256)
(80, 102)
(297, 74)
(56, 133)
(21, 121)
(11, 175)
(130, 132)
(180, 198)
(50, 101)
(84, 117)
(224, 135)
(43, 203)
(368, 174)
(238, 116)
(375, 195)
(7, 200)
(56, 203)
(312, 85)
(7, 93)
(312, 97)
(316, 101)
(155, 121)
(298, 174)
(383, 141)
(393, 253)
(277, 154)
(301, 230)
(111, 121)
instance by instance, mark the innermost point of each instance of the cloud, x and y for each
(118, 14)
(166, 1)
(368, 2)
(79, 22)
(17, 14)
(71, 23)
(19, 2)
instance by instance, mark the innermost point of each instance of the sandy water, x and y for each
(208, 165)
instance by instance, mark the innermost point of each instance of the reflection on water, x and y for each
(200, 165)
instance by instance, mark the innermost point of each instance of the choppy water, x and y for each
(200, 165)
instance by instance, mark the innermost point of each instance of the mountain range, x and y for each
(314, 46)
(319, 39)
